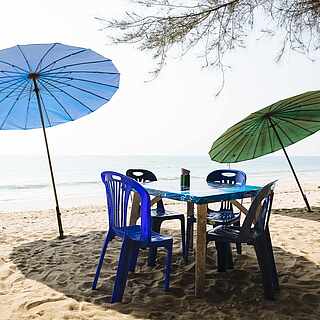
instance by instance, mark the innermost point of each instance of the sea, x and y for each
(25, 181)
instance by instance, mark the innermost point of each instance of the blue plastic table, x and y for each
(200, 193)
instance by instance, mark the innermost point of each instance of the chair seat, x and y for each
(222, 217)
(228, 234)
(167, 214)
(134, 233)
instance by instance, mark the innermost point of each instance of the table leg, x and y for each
(135, 209)
(201, 249)
(190, 215)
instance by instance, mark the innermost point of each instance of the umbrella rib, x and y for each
(233, 140)
(315, 104)
(287, 102)
(234, 130)
(246, 143)
(75, 65)
(295, 107)
(46, 53)
(78, 71)
(294, 104)
(232, 135)
(300, 119)
(15, 72)
(256, 146)
(239, 125)
(295, 124)
(14, 103)
(56, 99)
(81, 89)
(28, 107)
(11, 85)
(3, 82)
(79, 79)
(302, 110)
(15, 66)
(6, 77)
(68, 94)
(275, 125)
(62, 58)
(24, 57)
(236, 160)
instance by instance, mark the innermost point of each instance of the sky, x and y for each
(175, 114)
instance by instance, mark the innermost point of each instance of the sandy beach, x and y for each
(42, 277)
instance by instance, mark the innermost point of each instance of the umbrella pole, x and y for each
(291, 166)
(36, 89)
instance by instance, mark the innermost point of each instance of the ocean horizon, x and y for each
(25, 180)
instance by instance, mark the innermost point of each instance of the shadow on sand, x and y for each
(300, 213)
(68, 267)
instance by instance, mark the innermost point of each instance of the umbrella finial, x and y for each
(33, 76)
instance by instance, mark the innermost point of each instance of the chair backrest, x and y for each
(228, 176)
(143, 175)
(118, 190)
(259, 212)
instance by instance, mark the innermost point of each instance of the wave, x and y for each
(28, 186)
(39, 186)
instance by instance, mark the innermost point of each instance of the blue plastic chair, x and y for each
(118, 190)
(254, 231)
(225, 215)
(159, 214)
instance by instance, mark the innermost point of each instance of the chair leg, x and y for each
(262, 257)
(221, 256)
(239, 248)
(156, 225)
(122, 272)
(133, 261)
(189, 236)
(168, 266)
(107, 239)
(228, 252)
(183, 238)
(275, 280)
(238, 244)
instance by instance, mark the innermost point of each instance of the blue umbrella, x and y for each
(44, 85)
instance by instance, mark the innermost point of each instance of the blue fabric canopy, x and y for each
(72, 82)
(43, 85)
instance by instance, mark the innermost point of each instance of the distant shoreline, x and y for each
(28, 186)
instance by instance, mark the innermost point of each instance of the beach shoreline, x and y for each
(27, 187)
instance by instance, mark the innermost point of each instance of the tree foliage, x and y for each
(215, 26)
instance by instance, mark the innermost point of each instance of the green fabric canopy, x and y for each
(293, 118)
(270, 129)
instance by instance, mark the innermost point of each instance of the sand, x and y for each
(42, 277)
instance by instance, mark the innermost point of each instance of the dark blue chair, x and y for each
(254, 231)
(159, 214)
(225, 215)
(118, 189)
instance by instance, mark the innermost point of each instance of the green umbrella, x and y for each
(270, 129)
